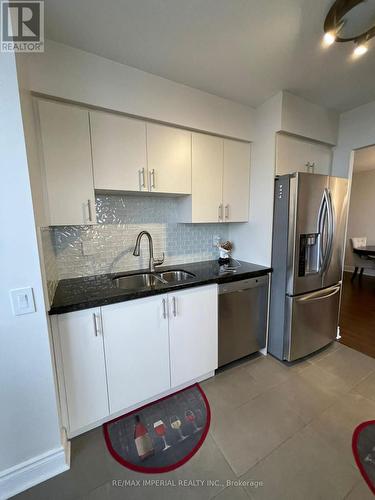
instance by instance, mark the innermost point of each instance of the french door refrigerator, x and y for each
(310, 213)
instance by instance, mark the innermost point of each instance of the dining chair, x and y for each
(359, 261)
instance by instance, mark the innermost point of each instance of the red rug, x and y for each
(163, 435)
(363, 444)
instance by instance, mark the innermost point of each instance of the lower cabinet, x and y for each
(80, 338)
(193, 337)
(136, 350)
(114, 357)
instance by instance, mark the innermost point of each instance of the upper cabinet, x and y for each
(220, 181)
(85, 150)
(169, 159)
(125, 160)
(65, 138)
(207, 178)
(236, 181)
(118, 152)
(294, 154)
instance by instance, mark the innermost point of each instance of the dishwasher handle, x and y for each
(241, 285)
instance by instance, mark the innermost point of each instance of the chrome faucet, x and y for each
(137, 250)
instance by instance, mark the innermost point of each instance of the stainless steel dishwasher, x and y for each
(242, 318)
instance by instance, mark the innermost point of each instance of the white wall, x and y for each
(29, 429)
(309, 120)
(75, 75)
(253, 240)
(361, 211)
(356, 130)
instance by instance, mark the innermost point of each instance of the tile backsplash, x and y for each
(108, 245)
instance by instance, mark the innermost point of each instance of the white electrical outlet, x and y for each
(22, 300)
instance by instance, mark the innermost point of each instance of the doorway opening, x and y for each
(357, 315)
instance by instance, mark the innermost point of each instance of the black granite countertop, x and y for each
(99, 290)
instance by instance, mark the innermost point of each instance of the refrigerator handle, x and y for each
(321, 228)
(332, 215)
(328, 213)
(311, 297)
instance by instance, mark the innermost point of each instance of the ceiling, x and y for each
(364, 159)
(244, 50)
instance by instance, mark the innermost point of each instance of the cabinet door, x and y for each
(136, 348)
(66, 148)
(118, 152)
(294, 154)
(193, 333)
(169, 159)
(321, 157)
(82, 352)
(207, 178)
(236, 181)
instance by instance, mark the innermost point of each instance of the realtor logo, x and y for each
(22, 26)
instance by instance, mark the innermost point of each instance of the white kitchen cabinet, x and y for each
(236, 181)
(220, 181)
(295, 154)
(206, 202)
(112, 358)
(80, 338)
(118, 152)
(65, 138)
(193, 333)
(207, 178)
(168, 159)
(137, 350)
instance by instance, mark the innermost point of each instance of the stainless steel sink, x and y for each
(150, 280)
(176, 276)
(134, 281)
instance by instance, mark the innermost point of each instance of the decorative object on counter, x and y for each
(363, 445)
(225, 250)
(163, 435)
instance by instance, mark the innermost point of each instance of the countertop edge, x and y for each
(134, 295)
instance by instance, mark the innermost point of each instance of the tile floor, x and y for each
(277, 432)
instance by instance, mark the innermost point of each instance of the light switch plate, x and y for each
(22, 300)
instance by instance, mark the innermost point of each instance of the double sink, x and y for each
(150, 280)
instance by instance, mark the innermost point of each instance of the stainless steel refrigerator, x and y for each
(310, 213)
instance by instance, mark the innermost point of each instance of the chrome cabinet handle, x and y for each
(310, 167)
(164, 309)
(142, 181)
(89, 208)
(152, 178)
(227, 211)
(220, 213)
(96, 325)
(174, 304)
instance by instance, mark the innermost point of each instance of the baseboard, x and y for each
(32, 472)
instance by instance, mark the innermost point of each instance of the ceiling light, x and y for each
(329, 38)
(360, 49)
(350, 21)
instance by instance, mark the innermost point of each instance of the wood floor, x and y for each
(357, 317)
